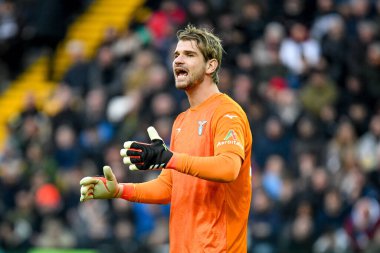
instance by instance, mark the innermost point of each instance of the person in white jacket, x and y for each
(298, 51)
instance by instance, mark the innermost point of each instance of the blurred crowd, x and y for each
(307, 73)
(29, 27)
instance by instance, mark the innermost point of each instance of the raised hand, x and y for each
(105, 187)
(146, 156)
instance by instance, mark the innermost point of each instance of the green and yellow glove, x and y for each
(105, 187)
(146, 156)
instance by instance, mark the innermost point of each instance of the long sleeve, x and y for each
(220, 168)
(156, 191)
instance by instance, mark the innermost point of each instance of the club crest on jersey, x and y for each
(230, 139)
(201, 124)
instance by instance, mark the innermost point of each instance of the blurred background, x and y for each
(78, 78)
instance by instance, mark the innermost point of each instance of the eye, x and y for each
(176, 54)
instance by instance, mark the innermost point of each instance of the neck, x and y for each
(201, 92)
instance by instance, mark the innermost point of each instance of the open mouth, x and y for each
(180, 72)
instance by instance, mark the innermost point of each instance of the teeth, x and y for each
(181, 72)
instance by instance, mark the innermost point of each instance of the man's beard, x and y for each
(191, 82)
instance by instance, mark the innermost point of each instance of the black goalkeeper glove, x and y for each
(146, 156)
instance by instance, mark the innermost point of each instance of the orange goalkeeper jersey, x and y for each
(209, 216)
(206, 216)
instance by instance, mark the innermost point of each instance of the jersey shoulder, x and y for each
(229, 108)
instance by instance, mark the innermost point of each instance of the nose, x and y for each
(178, 60)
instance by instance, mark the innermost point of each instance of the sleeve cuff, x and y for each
(175, 161)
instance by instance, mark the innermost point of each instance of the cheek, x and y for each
(199, 69)
(196, 73)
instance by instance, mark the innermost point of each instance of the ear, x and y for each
(211, 66)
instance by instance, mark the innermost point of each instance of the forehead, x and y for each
(187, 45)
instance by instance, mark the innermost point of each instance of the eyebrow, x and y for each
(187, 52)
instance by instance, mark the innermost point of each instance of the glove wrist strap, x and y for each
(119, 191)
(126, 191)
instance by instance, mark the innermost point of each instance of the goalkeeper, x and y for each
(206, 173)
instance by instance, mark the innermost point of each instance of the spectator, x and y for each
(356, 59)
(307, 138)
(298, 51)
(62, 108)
(264, 223)
(164, 21)
(272, 177)
(77, 76)
(336, 241)
(325, 18)
(354, 185)
(287, 202)
(353, 93)
(104, 72)
(199, 12)
(273, 140)
(343, 141)
(334, 46)
(234, 44)
(371, 71)
(318, 92)
(30, 126)
(298, 238)
(282, 100)
(294, 11)
(330, 218)
(368, 148)
(251, 22)
(264, 48)
(359, 115)
(328, 118)
(319, 184)
(360, 10)
(363, 222)
(133, 76)
(243, 89)
(128, 42)
(96, 131)
(306, 164)
(66, 152)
